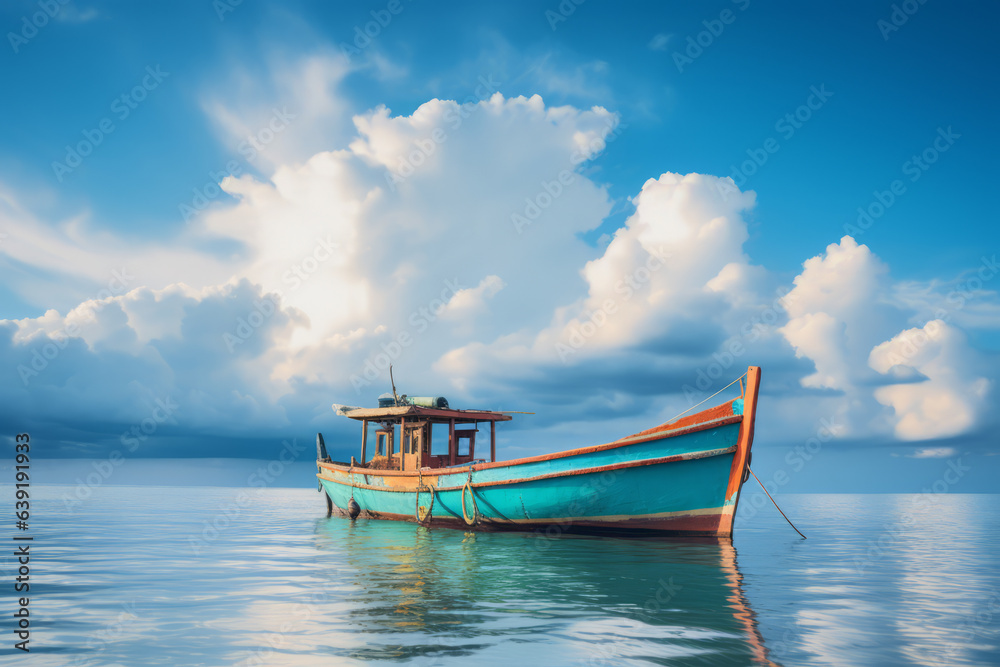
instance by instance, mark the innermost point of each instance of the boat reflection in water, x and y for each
(436, 597)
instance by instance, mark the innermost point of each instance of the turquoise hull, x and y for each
(675, 481)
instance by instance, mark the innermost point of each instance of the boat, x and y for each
(682, 477)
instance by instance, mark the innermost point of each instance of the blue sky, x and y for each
(335, 114)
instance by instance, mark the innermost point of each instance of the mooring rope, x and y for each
(475, 507)
(709, 398)
(776, 504)
(446, 508)
(490, 505)
(430, 509)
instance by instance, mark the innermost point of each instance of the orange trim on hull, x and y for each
(562, 473)
(743, 447)
(718, 412)
(624, 442)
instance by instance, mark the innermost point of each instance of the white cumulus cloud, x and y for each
(449, 243)
(953, 396)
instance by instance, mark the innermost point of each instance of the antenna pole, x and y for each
(395, 398)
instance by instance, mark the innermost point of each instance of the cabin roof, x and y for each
(394, 413)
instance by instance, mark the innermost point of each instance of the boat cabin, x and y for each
(411, 437)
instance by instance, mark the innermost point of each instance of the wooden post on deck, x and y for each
(452, 446)
(493, 440)
(364, 439)
(402, 441)
(428, 443)
(472, 443)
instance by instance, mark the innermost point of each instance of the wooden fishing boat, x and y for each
(679, 478)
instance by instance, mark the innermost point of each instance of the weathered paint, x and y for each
(675, 478)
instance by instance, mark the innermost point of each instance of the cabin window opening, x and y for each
(383, 440)
(439, 440)
(414, 438)
(463, 442)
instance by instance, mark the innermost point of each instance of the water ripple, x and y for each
(169, 576)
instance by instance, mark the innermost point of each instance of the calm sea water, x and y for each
(141, 576)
